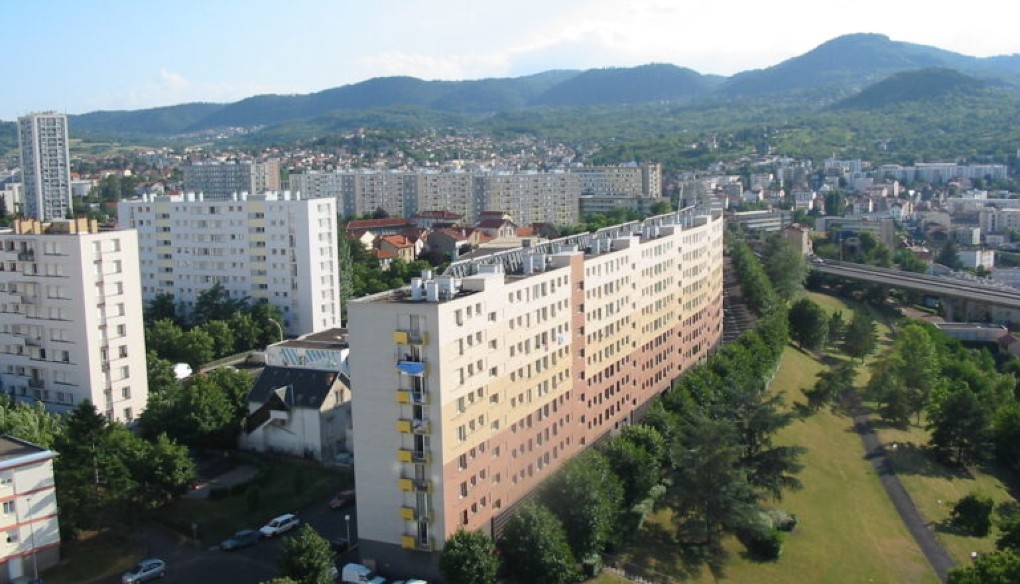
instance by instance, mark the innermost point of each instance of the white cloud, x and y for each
(173, 81)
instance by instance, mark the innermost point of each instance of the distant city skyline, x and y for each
(77, 57)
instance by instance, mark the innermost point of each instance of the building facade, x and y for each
(29, 510)
(222, 180)
(530, 197)
(71, 317)
(46, 166)
(271, 247)
(472, 388)
(631, 180)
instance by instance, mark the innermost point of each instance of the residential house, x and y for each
(29, 505)
(298, 411)
(400, 246)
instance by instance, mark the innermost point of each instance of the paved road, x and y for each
(187, 563)
(937, 556)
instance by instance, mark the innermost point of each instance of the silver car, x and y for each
(144, 571)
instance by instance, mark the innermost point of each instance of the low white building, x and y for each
(972, 258)
(301, 403)
(29, 510)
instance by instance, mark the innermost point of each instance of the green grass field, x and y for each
(935, 488)
(849, 531)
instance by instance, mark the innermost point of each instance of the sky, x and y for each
(77, 56)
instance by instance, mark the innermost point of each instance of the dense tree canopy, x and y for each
(809, 324)
(469, 557)
(535, 548)
(306, 558)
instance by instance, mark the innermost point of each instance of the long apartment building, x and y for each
(274, 247)
(71, 317)
(530, 197)
(472, 388)
(222, 180)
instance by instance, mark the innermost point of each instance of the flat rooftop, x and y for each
(334, 338)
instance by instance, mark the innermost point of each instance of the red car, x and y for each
(342, 499)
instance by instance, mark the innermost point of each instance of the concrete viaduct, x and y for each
(958, 294)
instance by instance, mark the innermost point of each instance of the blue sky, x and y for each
(78, 56)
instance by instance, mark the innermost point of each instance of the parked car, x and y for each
(279, 525)
(411, 581)
(358, 574)
(241, 539)
(144, 571)
(342, 499)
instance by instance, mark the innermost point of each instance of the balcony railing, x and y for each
(405, 455)
(414, 485)
(412, 542)
(410, 338)
(418, 398)
(413, 426)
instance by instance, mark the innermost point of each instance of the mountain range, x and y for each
(831, 75)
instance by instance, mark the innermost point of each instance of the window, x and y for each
(125, 392)
(128, 415)
(9, 507)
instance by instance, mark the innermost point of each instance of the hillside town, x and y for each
(529, 335)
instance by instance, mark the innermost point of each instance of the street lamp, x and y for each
(31, 526)
(278, 327)
(347, 521)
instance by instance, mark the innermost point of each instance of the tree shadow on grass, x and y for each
(909, 458)
(802, 411)
(947, 526)
(658, 552)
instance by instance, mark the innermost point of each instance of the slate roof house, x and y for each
(298, 411)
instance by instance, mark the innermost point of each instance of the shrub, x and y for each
(217, 493)
(973, 515)
(782, 520)
(762, 541)
(254, 498)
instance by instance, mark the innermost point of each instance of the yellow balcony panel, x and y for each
(407, 513)
(406, 485)
(408, 542)
(403, 397)
(404, 426)
(401, 338)
(404, 456)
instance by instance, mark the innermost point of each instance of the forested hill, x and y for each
(833, 71)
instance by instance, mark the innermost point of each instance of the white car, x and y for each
(278, 525)
(144, 571)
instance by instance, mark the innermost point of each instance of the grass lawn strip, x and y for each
(849, 531)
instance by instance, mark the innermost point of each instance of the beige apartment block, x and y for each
(222, 180)
(71, 317)
(274, 247)
(471, 388)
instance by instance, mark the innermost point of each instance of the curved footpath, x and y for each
(937, 556)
